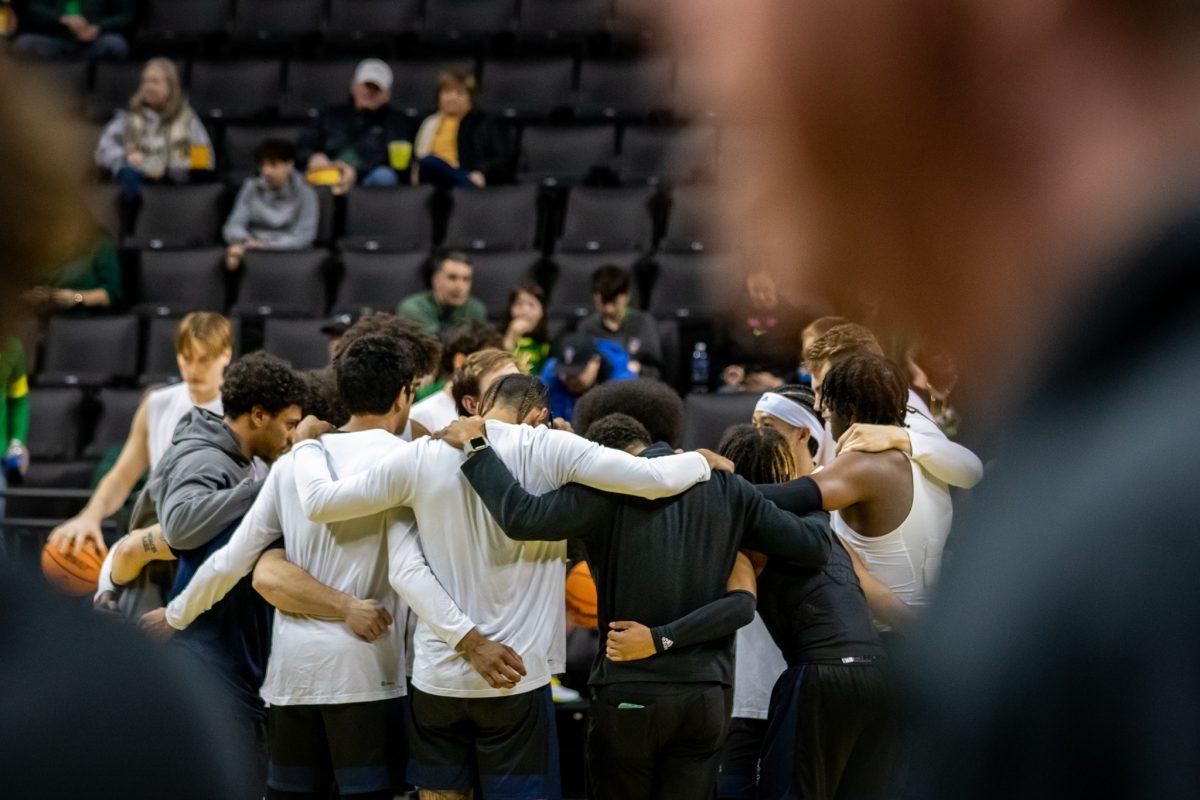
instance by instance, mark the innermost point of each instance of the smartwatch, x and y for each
(476, 444)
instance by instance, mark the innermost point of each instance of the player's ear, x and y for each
(471, 404)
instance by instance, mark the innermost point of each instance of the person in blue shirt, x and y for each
(578, 363)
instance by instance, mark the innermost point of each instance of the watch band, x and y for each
(476, 444)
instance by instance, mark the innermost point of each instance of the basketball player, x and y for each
(437, 409)
(462, 728)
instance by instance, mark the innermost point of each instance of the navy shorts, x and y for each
(739, 758)
(508, 744)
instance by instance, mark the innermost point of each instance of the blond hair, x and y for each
(175, 96)
(206, 331)
(465, 382)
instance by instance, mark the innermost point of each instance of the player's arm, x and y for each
(884, 604)
(199, 507)
(630, 641)
(800, 536)
(131, 555)
(846, 482)
(112, 491)
(928, 445)
(579, 461)
(386, 485)
(572, 511)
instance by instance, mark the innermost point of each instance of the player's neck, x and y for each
(205, 397)
(371, 422)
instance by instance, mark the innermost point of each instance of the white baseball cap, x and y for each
(372, 70)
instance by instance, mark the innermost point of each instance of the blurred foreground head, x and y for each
(963, 168)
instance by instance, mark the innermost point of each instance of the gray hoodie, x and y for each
(283, 219)
(202, 485)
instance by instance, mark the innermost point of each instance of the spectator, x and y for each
(275, 211)
(356, 136)
(636, 331)
(459, 145)
(158, 138)
(94, 29)
(581, 362)
(448, 303)
(87, 285)
(14, 412)
(760, 337)
(525, 334)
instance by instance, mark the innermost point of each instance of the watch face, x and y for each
(478, 443)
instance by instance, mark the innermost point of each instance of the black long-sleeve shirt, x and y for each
(655, 561)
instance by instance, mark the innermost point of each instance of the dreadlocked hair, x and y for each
(525, 393)
(803, 395)
(760, 455)
(866, 388)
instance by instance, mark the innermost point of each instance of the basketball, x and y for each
(581, 596)
(74, 573)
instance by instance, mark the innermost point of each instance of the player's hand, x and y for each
(628, 641)
(310, 428)
(76, 533)
(154, 624)
(716, 462)
(498, 663)
(106, 603)
(561, 424)
(864, 438)
(461, 431)
(368, 619)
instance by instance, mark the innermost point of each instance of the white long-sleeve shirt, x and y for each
(317, 660)
(512, 590)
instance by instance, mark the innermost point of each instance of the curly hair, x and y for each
(866, 388)
(652, 403)
(323, 401)
(840, 342)
(263, 380)
(470, 337)
(760, 455)
(618, 431)
(423, 348)
(372, 372)
(525, 393)
(465, 382)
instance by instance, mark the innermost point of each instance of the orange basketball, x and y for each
(581, 596)
(72, 573)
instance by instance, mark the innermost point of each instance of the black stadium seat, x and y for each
(56, 421)
(608, 220)
(113, 84)
(497, 273)
(179, 216)
(282, 283)
(654, 155)
(572, 293)
(692, 284)
(414, 83)
(707, 416)
(558, 155)
(174, 282)
(358, 22)
(69, 77)
(467, 20)
(244, 89)
(378, 281)
(314, 85)
(527, 89)
(265, 21)
(690, 223)
(560, 22)
(242, 140)
(397, 220)
(493, 219)
(628, 89)
(299, 341)
(117, 408)
(93, 351)
(181, 22)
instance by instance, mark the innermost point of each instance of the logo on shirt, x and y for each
(667, 643)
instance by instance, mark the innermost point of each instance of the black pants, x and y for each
(656, 740)
(739, 758)
(832, 734)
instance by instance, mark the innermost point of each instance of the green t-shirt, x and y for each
(14, 411)
(422, 310)
(100, 269)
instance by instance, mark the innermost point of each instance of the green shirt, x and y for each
(100, 269)
(422, 310)
(531, 355)
(14, 411)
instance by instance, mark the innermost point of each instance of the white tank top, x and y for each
(908, 558)
(759, 664)
(164, 408)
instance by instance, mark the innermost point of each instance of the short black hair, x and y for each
(372, 372)
(525, 393)
(424, 348)
(275, 151)
(760, 455)
(452, 255)
(652, 403)
(261, 379)
(618, 431)
(323, 401)
(866, 388)
(470, 337)
(804, 396)
(609, 281)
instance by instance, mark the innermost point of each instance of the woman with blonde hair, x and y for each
(158, 138)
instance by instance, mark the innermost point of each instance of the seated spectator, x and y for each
(459, 145)
(760, 338)
(159, 138)
(448, 303)
(93, 29)
(636, 331)
(581, 362)
(89, 285)
(355, 137)
(275, 211)
(14, 412)
(525, 334)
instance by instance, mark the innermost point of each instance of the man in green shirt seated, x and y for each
(449, 302)
(89, 285)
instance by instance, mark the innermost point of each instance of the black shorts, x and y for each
(510, 744)
(832, 732)
(358, 746)
(739, 758)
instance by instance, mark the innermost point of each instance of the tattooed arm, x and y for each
(136, 550)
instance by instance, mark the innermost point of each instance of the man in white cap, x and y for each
(354, 136)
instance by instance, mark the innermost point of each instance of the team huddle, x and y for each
(385, 599)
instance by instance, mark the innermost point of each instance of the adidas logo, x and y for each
(667, 643)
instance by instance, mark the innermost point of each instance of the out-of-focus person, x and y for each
(459, 145)
(88, 285)
(759, 336)
(614, 319)
(91, 29)
(14, 412)
(448, 302)
(158, 138)
(356, 137)
(276, 210)
(525, 332)
(578, 363)
(1021, 183)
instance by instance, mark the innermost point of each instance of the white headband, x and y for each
(792, 413)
